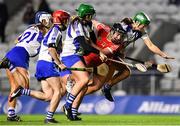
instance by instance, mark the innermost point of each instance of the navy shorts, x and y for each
(45, 69)
(19, 57)
(69, 61)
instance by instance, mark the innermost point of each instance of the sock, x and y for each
(107, 87)
(74, 112)
(26, 92)
(11, 112)
(70, 100)
(49, 115)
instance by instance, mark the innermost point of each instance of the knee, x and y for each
(127, 73)
(48, 95)
(63, 91)
(57, 93)
(84, 82)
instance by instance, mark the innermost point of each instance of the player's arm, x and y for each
(53, 53)
(80, 37)
(155, 49)
(53, 49)
(85, 45)
(95, 24)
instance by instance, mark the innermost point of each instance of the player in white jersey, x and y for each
(74, 47)
(46, 71)
(16, 60)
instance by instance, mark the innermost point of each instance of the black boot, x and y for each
(107, 94)
(4, 63)
(14, 119)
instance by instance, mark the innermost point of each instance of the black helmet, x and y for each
(118, 28)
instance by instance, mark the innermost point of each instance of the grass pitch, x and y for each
(100, 120)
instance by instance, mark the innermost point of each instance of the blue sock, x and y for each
(26, 92)
(49, 115)
(11, 112)
(74, 112)
(70, 100)
(107, 87)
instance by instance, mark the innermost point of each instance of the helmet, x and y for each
(40, 15)
(142, 18)
(59, 16)
(85, 9)
(118, 28)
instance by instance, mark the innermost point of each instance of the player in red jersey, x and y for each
(111, 42)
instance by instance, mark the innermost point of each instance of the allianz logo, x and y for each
(158, 107)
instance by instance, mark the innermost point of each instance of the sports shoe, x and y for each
(78, 113)
(5, 63)
(67, 112)
(50, 121)
(16, 93)
(76, 118)
(14, 119)
(107, 94)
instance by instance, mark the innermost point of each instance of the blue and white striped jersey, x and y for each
(31, 40)
(54, 35)
(133, 35)
(70, 46)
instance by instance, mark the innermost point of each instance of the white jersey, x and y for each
(53, 36)
(133, 35)
(70, 46)
(31, 40)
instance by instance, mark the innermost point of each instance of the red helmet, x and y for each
(59, 16)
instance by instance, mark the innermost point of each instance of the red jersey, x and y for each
(103, 42)
(108, 47)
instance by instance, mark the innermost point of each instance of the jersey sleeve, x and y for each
(102, 29)
(78, 29)
(144, 35)
(54, 34)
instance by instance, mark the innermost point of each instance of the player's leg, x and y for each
(96, 84)
(45, 94)
(66, 85)
(77, 103)
(123, 73)
(11, 105)
(81, 79)
(55, 84)
(22, 81)
(23, 76)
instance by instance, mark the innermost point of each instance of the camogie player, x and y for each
(135, 28)
(16, 61)
(75, 45)
(109, 40)
(46, 71)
